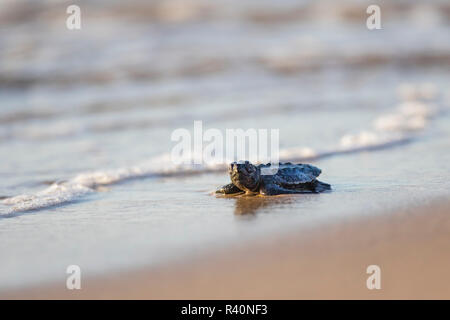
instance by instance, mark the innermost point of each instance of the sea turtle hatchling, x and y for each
(289, 178)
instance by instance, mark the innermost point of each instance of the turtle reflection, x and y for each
(250, 205)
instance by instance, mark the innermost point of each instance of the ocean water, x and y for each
(86, 118)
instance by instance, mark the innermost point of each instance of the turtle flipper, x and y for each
(320, 186)
(229, 189)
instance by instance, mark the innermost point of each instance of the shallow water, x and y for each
(93, 111)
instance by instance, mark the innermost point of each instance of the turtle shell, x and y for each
(293, 174)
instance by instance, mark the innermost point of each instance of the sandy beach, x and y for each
(412, 248)
(118, 121)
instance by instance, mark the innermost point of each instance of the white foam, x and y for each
(408, 116)
(85, 183)
(53, 195)
(366, 139)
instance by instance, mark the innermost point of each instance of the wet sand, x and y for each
(411, 246)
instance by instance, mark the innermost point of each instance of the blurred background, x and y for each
(84, 108)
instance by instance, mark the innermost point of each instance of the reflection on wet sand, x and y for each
(250, 205)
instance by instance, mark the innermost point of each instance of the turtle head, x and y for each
(244, 175)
